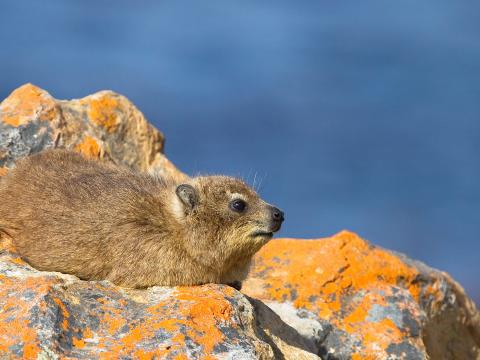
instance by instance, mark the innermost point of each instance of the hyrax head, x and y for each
(225, 215)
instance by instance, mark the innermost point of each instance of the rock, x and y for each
(104, 125)
(51, 315)
(354, 300)
(48, 315)
(334, 298)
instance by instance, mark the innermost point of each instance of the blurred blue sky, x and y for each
(355, 115)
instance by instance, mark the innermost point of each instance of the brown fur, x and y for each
(99, 221)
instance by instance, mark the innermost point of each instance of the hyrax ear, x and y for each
(188, 195)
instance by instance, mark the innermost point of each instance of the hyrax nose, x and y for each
(277, 215)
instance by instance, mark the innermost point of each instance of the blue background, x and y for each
(357, 115)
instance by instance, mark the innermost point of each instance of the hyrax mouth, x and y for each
(263, 234)
(274, 223)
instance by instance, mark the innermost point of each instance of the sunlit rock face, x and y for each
(104, 125)
(356, 300)
(51, 314)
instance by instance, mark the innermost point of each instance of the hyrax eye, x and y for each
(238, 205)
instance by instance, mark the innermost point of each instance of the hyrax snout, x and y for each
(100, 221)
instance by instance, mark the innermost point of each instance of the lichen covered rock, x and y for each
(332, 298)
(358, 301)
(104, 125)
(53, 315)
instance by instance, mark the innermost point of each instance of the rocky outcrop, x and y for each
(104, 125)
(332, 298)
(51, 315)
(353, 300)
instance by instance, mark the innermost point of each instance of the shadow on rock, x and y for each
(286, 341)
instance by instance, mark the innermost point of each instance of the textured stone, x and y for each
(52, 315)
(104, 125)
(355, 300)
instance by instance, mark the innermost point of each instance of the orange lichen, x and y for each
(15, 318)
(340, 278)
(26, 103)
(195, 312)
(87, 333)
(88, 147)
(78, 343)
(65, 313)
(113, 319)
(322, 270)
(103, 112)
(128, 343)
(180, 357)
(206, 310)
(30, 351)
(17, 261)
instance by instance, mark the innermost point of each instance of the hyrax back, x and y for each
(99, 221)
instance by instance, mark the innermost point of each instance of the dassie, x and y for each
(99, 221)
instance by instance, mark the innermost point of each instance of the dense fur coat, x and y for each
(100, 221)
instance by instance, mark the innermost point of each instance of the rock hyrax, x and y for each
(100, 221)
